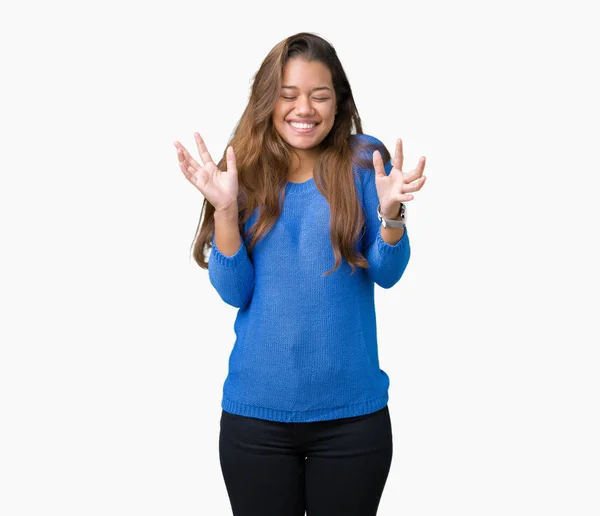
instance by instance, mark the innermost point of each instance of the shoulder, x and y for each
(365, 142)
(363, 146)
(365, 139)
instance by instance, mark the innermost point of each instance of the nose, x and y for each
(303, 107)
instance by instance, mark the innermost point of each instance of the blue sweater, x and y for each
(306, 344)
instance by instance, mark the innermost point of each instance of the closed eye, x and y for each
(316, 98)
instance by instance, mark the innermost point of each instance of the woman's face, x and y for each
(306, 97)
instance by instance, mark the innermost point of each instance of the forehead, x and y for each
(302, 74)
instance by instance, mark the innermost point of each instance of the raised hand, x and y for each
(220, 188)
(393, 189)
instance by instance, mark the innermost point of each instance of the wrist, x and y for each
(398, 222)
(391, 212)
(227, 212)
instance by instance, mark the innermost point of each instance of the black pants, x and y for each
(327, 468)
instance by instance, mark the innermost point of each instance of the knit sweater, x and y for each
(306, 344)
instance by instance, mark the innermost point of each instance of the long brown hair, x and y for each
(263, 156)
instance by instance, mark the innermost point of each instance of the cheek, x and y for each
(280, 109)
(279, 117)
(328, 112)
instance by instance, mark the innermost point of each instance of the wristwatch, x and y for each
(393, 223)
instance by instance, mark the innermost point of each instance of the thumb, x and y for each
(231, 163)
(378, 165)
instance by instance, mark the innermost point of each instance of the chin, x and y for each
(304, 142)
(303, 145)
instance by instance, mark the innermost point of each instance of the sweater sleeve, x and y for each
(386, 262)
(232, 276)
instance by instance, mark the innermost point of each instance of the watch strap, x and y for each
(392, 223)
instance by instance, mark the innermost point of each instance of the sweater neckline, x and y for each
(305, 186)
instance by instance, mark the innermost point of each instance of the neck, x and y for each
(303, 162)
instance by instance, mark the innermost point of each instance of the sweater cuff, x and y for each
(384, 248)
(228, 261)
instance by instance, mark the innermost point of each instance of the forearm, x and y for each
(391, 235)
(387, 261)
(230, 268)
(388, 255)
(227, 232)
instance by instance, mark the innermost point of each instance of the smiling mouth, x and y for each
(302, 130)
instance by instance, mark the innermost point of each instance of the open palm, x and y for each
(219, 187)
(393, 189)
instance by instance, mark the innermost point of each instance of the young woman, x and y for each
(303, 215)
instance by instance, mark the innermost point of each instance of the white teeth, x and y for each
(302, 126)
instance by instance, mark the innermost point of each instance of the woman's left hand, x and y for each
(393, 189)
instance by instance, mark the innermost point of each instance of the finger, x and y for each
(180, 156)
(414, 186)
(417, 172)
(231, 160)
(378, 164)
(184, 164)
(202, 150)
(185, 155)
(188, 170)
(398, 155)
(418, 180)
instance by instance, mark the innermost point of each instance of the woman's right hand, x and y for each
(220, 188)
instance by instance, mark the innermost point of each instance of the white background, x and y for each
(114, 345)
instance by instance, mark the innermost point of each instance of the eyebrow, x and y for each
(314, 89)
